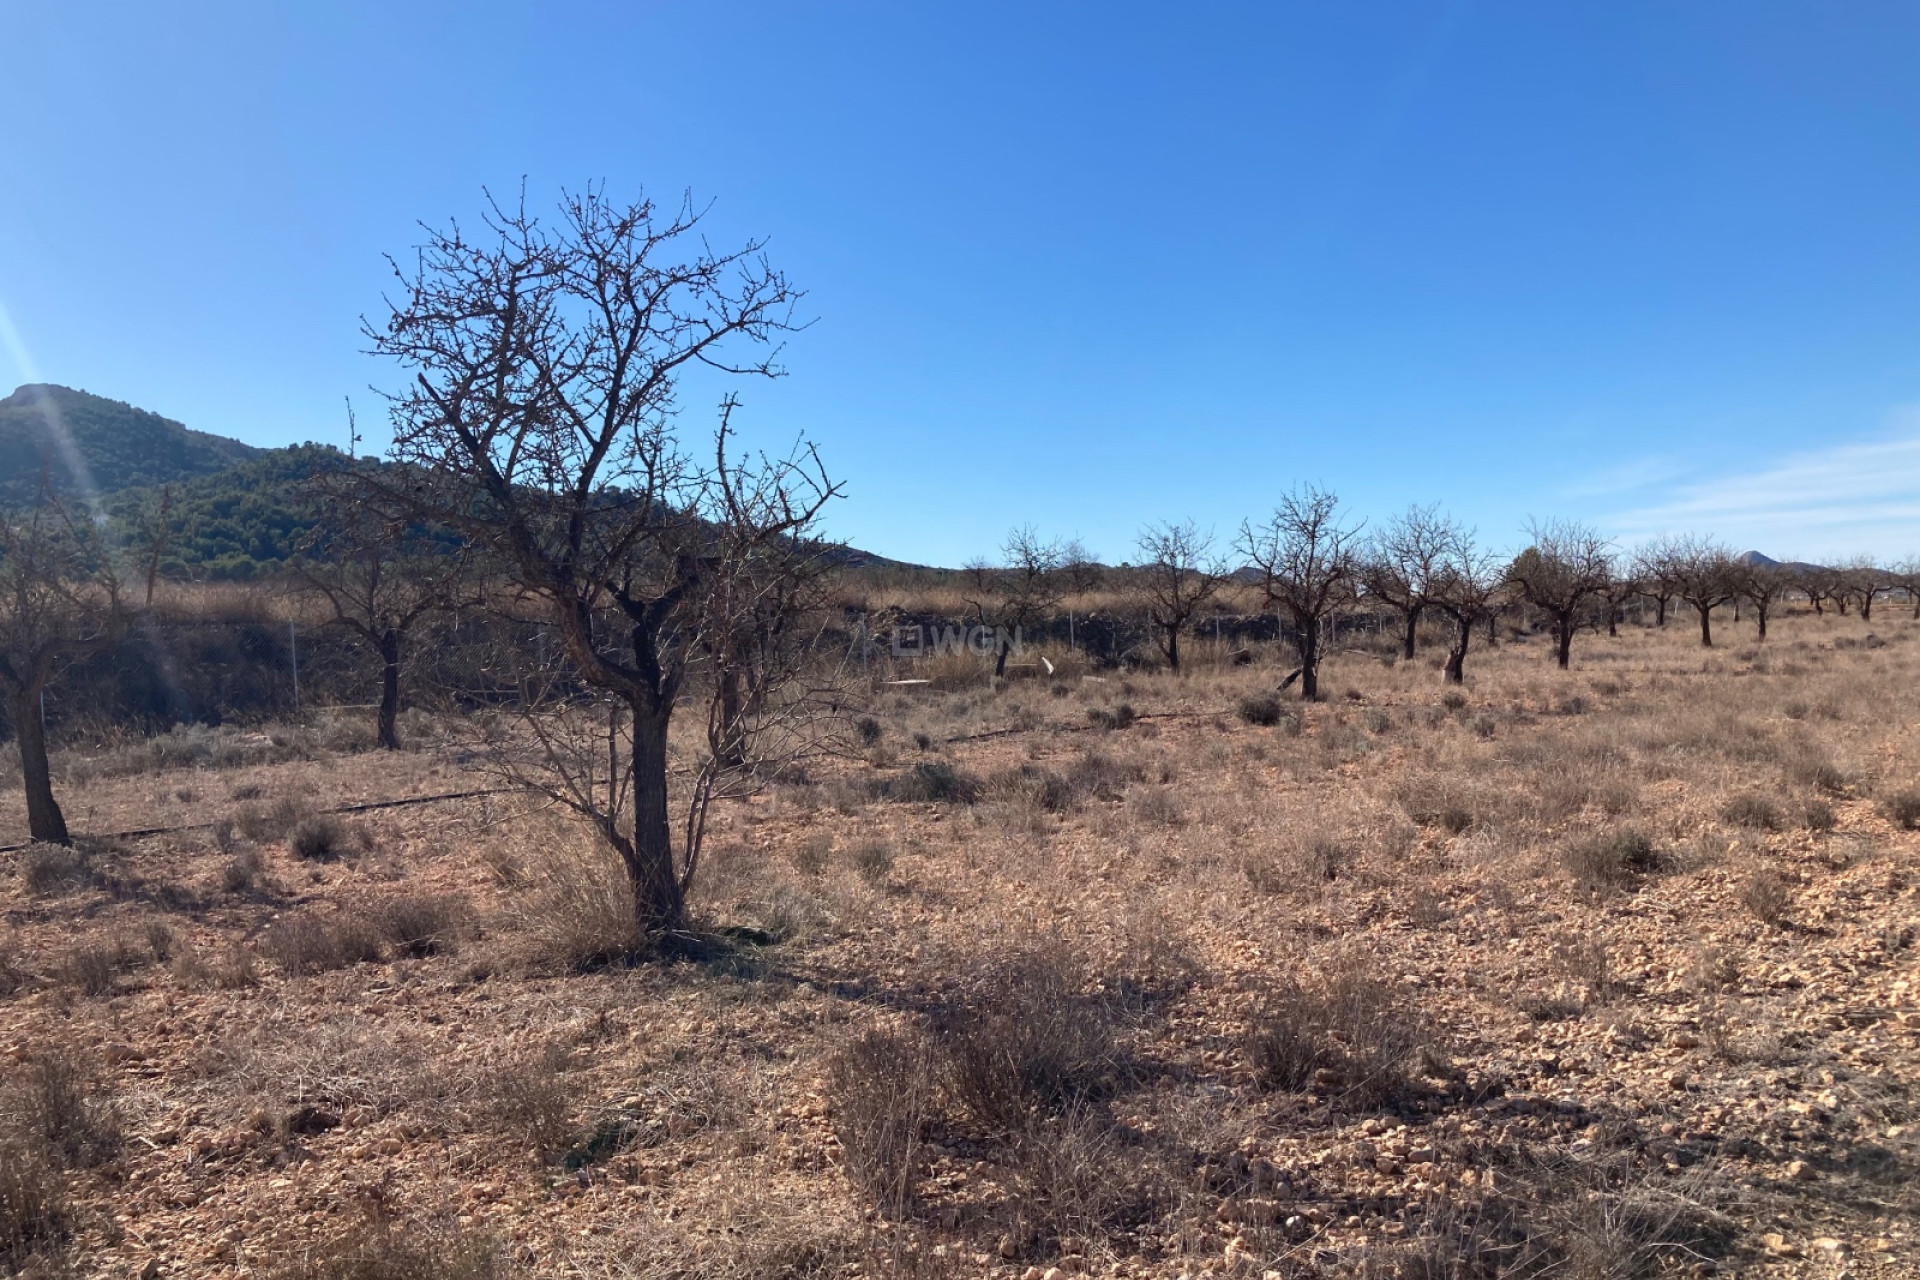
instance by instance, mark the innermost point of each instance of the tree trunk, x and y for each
(1310, 661)
(1413, 621)
(1660, 614)
(727, 745)
(1563, 638)
(657, 900)
(389, 735)
(1840, 604)
(1493, 629)
(1613, 619)
(1760, 616)
(1173, 649)
(1866, 606)
(1706, 624)
(1457, 655)
(45, 822)
(1000, 658)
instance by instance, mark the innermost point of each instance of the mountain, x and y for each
(114, 446)
(1758, 560)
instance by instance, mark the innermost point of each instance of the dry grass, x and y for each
(1554, 973)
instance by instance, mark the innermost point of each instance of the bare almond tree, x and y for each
(538, 421)
(380, 574)
(1306, 558)
(1400, 565)
(1466, 586)
(1863, 580)
(1564, 572)
(1017, 593)
(1656, 566)
(1762, 586)
(1178, 574)
(1708, 577)
(60, 601)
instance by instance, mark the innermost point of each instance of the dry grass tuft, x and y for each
(1346, 1033)
(382, 1249)
(881, 1085)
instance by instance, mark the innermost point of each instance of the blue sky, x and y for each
(1654, 265)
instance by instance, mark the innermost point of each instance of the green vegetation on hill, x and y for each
(234, 525)
(115, 445)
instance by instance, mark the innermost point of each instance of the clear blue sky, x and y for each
(1652, 264)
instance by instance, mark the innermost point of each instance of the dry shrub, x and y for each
(382, 1249)
(1767, 896)
(1155, 806)
(242, 872)
(931, 782)
(52, 868)
(1609, 860)
(420, 925)
(1028, 1041)
(319, 838)
(1902, 809)
(1819, 817)
(1347, 1032)
(35, 1218)
(1118, 717)
(881, 1086)
(305, 942)
(1752, 810)
(575, 910)
(269, 823)
(1033, 788)
(1437, 801)
(873, 859)
(1261, 709)
(532, 1101)
(1103, 777)
(92, 966)
(813, 855)
(52, 1106)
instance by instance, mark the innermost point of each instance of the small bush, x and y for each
(1034, 788)
(420, 925)
(1610, 860)
(813, 855)
(1767, 896)
(305, 943)
(868, 729)
(268, 823)
(1119, 717)
(576, 909)
(92, 966)
(1903, 809)
(241, 874)
(1261, 709)
(1819, 817)
(1751, 810)
(1157, 806)
(320, 838)
(933, 781)
(1453, 700)
(873, 859)
(35, 1217)
(533, 1103)
(52, 868)
(385, 1250)
(1027, 1043)
(55, 1106)
(881, 1087)
(1347, 1033)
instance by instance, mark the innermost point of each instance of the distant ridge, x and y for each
(1760, 560)
(119, 446)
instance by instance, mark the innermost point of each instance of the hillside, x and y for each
(115, 445)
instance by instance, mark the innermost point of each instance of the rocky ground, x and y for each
(1598, 973)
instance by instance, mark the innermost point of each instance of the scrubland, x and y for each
(1599, 973)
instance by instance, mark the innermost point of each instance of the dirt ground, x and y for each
(1606, 972)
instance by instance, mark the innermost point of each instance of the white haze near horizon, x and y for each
(1858, 497)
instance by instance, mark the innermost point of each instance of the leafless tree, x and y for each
(1620, 588)
(1080, 570)
(1862, 580)
(1819, 585)
(1567, 568)
(539, 422)
(1707, 577)
(60, 601)
(1655, 569)
(1178, 575)
(1400, 565)
(1018, 592)
(1466, 585)
(380, 574)
(1906, 576)
(1762, 586)
(1306, 558)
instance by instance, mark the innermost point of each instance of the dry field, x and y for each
(1602, 973)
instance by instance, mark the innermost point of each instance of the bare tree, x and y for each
(1305, 556)
(1708, 577)
(1567, 568)
(1401, 563)
(1863, 580)
(1655, 568)
(1466, 585)
(539, 423)
(1818, 585)
(1080, 570)
(1762, 586)
(1178, 575)
(1620, 588)
(60, 601)
(380, 574)
(1906, 576)
(1018, 592)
